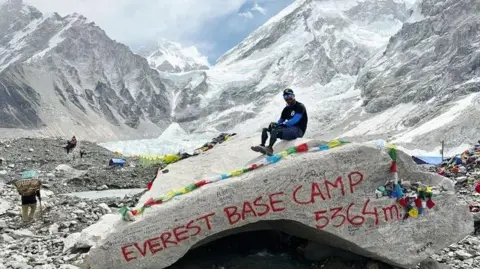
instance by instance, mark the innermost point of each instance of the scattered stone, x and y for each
(103, 187)
(432, 264)
(54, 239)
(22, 233)
(462, 254)
(27, 245)
(106, 209)
(53, 228)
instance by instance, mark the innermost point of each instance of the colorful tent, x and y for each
(116, 162)
(29, 174)
(433, 160)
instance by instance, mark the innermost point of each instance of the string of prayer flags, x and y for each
(414, 204)
(128, 214)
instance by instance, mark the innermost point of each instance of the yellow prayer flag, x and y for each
(413, 212)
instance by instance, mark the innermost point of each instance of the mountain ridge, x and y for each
(75, 71)
(343, 60)
(172, 57)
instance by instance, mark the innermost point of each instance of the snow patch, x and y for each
(13, 60)
(178, 56)
(17, 40)
(54, 41)
(174, 139)
(436, 151)
(440, 121)
(417, 12)
(387, 121)
(173, 131)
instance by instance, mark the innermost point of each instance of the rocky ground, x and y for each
(40, 245)
(64, 173)
(466, 253)
(45, 243)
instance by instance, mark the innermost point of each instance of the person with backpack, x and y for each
(29, 205)
(71, 144)
(29, 189)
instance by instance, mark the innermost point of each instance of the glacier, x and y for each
(364, 69)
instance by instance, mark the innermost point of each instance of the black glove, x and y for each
(273, 125)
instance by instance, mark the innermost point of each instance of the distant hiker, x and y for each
(71, 144)
(82, 153)
(291, 125)
(29, 190)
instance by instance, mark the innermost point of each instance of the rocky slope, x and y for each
(70, 61)
(64, 173)
(316, 47)
(426, 83)
(363, 69)
(64, 74)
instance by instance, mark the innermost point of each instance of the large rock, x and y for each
(327, 197)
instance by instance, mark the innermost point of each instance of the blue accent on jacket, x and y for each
(296, 118)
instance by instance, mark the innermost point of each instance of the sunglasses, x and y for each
(288, 96)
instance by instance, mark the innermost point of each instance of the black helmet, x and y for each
(287, 91)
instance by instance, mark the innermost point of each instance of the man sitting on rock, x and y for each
(291, 125)
(71, 144)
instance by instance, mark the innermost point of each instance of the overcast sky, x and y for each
(213, 26)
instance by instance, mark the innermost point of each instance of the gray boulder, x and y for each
(327, 197)
(432, 264)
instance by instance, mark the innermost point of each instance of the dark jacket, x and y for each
(296, 115)
(31, 199)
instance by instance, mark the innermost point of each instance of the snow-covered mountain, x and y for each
(425, 87)
(168, 56)
(315, 47)
(362, 67)
(64, 75)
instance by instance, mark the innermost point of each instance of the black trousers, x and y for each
(279, 132)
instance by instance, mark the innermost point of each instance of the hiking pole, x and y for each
(41, 210)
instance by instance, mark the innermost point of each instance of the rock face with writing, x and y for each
(326, 197)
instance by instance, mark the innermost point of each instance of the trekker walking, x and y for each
(71, 144)
(291, 125)
(29, 189)
(29, 205)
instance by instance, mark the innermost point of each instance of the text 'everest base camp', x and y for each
(328, 194)
(146, 155)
